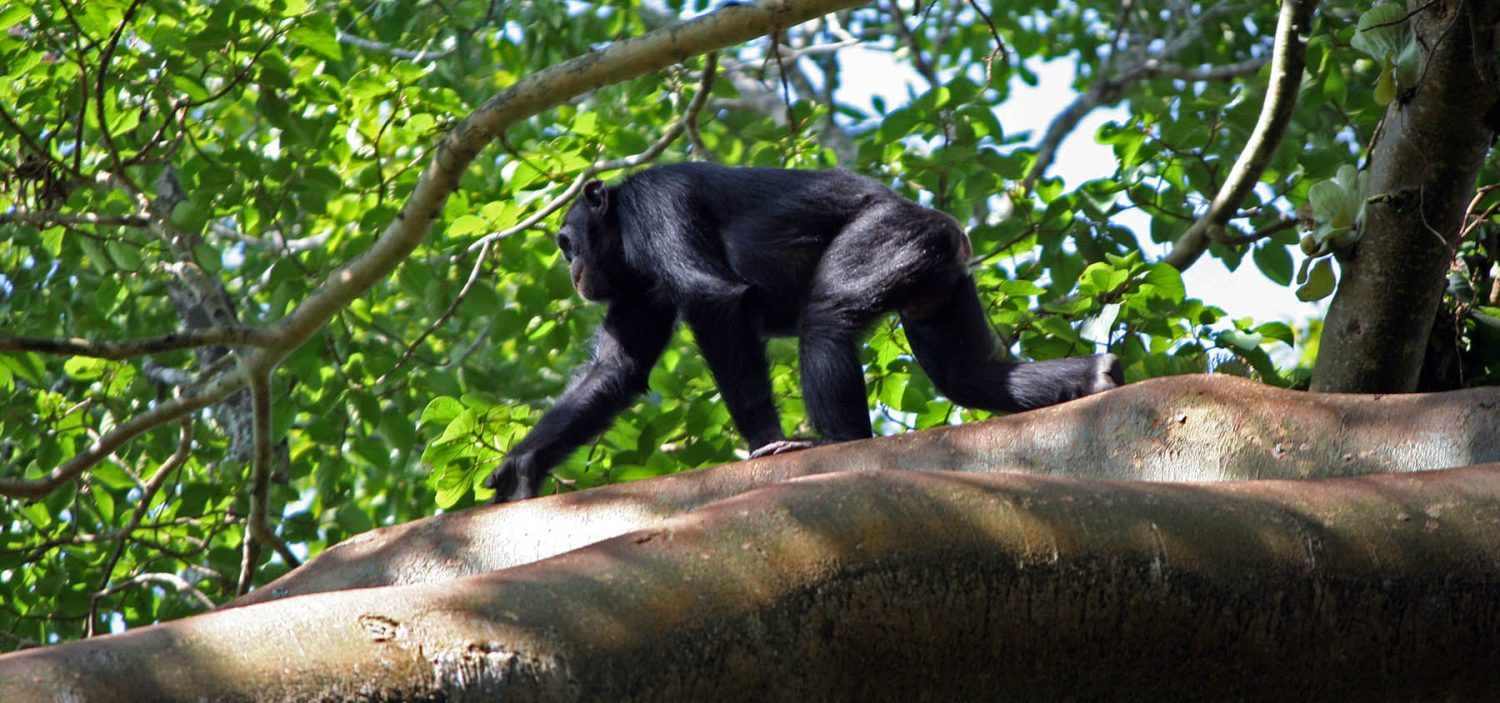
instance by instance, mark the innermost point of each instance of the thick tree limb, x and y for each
(1185, 428)
(896, 585)
(1288, 58)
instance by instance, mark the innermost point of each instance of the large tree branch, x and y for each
(1183, 428)
(1288, 59)
(895, 585)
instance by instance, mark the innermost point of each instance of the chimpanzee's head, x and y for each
(590, 241)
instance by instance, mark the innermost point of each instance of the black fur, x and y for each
(741, 254)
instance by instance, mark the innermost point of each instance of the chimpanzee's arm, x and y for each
(630, 341)
(736, 354)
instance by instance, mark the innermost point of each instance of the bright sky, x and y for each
(1241, 293)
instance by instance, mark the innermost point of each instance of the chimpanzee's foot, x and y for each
(785, 446)
(1107, 374)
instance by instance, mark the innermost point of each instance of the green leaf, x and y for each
(105, 503)
(1166, 282)
(1408, 64)
(52, 240)
(440, 411)
(85, 368)
(123, 255)
(1240, 340)
(1385, 85)
(13, 14)
(1279, 331)
(468, 226)
(1274, 261)
(316, 33)
(352, 520)
(1380, 32)
(1320, 281)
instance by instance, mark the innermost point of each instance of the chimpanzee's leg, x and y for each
(952, 340)
(894, 253)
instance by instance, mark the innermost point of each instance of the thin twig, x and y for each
(1482, 217)
(48, 218)
(173, 580)
(598, 167)
(484, 253)
(189, 339)
(213, 392)
(372, 45)
(1000, 48)
(142, 506)
(104, 58)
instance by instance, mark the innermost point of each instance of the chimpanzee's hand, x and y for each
(517, 478)
(784, 446)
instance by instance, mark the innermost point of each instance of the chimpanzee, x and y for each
(741, 254)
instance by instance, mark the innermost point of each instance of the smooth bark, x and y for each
(1186, 428)
(898, 586)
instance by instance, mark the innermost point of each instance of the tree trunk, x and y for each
(1423, 165)
(1184, 428)
(900, 586)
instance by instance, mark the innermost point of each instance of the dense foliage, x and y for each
(294, 132)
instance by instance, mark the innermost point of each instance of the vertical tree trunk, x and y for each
(1423, 167)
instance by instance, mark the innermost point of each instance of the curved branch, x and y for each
(895, 585)
(684, 124)
(177, 582)
(1224, 237)
(47, 218)
(148, 493)
(689, 116)
(1287, 61)
(190, 339)
(258, 530)
(1108, 91)
(536, 92)
(215, 391)
(421, 56)
(1200, 428)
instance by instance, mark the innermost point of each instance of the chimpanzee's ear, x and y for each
(593, 194)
